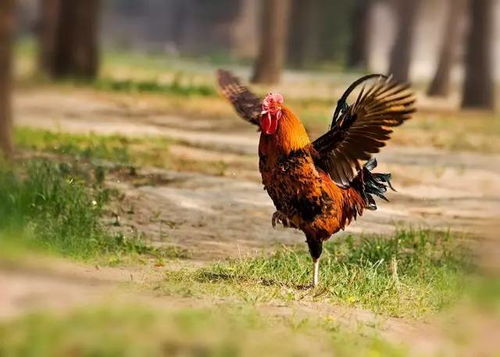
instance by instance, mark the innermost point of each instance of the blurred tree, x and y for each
(273, 35)
(206, 27)
(357, 57)
(304, 30)
(440, 85)
(219, 28)
(406, 12)
(244, 30)
(46, 33)
(478, 91)
(7, 17)
(335, 30)
(69, 38)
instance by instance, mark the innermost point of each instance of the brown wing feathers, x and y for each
(360, 130)
(247, 104)
(357, 131)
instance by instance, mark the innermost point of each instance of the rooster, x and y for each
(319, 187)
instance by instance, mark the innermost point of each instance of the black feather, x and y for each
(372, 184)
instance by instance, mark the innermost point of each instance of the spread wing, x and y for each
(361, 129)
(247, 104)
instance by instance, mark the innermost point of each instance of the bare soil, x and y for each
(217, 217)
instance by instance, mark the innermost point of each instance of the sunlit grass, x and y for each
(221, 331)
(149, 151)
(175, 87)
(411, 273)
(119, 149)
(114, 148)
(58, 208)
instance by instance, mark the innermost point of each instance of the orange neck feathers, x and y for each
(290, 135)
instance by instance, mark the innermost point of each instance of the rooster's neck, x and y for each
(290, 136)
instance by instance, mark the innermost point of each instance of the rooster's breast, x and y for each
(297, 188)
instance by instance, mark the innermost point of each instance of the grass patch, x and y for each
(117, 149)
(113, 147)
(411, 273)
(221, 331)
(58, 208)
(177, 86)
(484, 293)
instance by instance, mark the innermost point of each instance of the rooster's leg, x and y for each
(315, 249)
(315, 272)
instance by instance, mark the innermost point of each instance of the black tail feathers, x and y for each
(372, 184)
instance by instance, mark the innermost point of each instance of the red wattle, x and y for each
(274, 126)
(268, 123)
(265, 123)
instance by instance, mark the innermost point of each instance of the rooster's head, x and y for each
(271, 113)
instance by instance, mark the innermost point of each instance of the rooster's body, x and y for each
(320, 187)
(303, 193)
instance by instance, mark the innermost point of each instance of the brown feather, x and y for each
(363, 129)
(246, 104)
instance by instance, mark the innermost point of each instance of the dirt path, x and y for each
(216, 217)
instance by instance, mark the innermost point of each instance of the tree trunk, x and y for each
(360, 41)
(479, 82)
(69, 38)
(49, 14)
(440, 85)
(401, 52)
(244, 39)
(7, 17)
(273, 33)
(304, 36)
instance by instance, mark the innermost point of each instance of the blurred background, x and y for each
(437, 42)
(132, 215)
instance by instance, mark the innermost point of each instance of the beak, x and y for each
(277, 109)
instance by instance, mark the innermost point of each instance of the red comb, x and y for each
(273, 98)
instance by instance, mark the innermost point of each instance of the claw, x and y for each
(281, 218)
(275, 219)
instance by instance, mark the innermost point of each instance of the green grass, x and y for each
(115, 149)
(118, 149)
(174, 87)
(221, 331)
(431, 268)
(484, 293)
(58, 208)
(179, 85)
